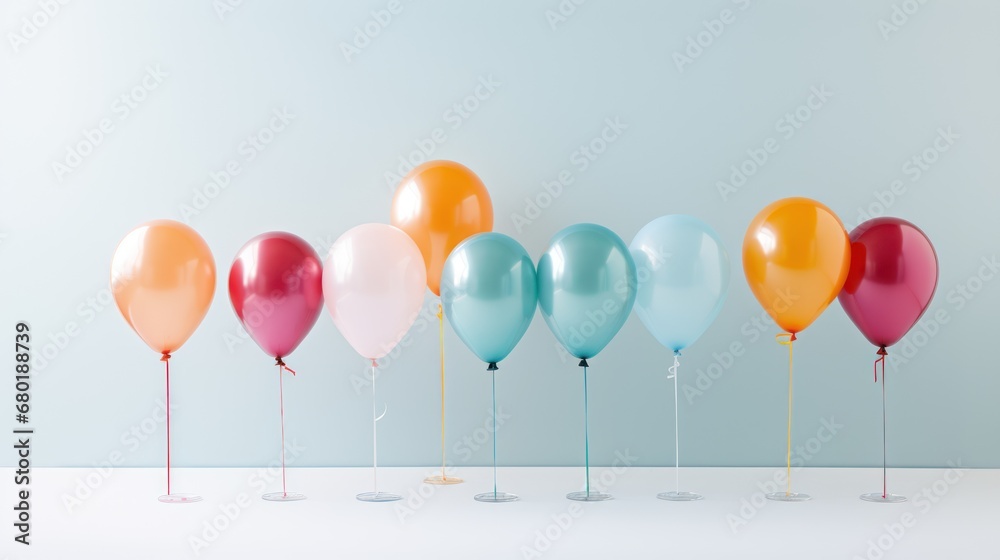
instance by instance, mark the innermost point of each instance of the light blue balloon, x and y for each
(586, 287)
(683, 273)
(489, 294)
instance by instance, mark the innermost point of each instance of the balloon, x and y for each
(683, 271)
(489, 294)
(275, 285)
(373, 282)
(795, 256)
(439, 204)
(586, 287)
(893, 274)
(163, 281)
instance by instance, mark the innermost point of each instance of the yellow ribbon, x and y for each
(440, 316)
(786, 339)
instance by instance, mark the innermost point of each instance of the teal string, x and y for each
(493, 375)
(586, 430)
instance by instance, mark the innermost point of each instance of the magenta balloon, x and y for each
(276, 287)
(891, 281)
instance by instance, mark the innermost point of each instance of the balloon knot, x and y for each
(278, 361)
(792, 338)
(440, 313)
(492, 367)
(583, 363)
(882, 351)
(677, 352)
(165, 357)
(374, 363)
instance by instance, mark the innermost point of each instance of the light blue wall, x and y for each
(554, 88)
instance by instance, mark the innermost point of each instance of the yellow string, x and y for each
(786, 339)
(440, 316)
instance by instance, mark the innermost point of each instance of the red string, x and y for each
(281, 406)
(166, 362)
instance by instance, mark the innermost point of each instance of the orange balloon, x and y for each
(439, 204)
(163, 280)
(796, 255)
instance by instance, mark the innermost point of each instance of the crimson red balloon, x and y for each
(893, 274)
(276, 287)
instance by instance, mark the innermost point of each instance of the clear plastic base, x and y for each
(378, 497)
(179, 498)
(592, 496)
(885, 499)
(679, 496)
(441, 479)
(788, 497)
(496, 497)
(283, 497)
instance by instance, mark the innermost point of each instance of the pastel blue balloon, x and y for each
(683, 273)
(586, 287)
(489, 294)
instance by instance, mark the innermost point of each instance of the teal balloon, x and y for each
(586, 287)
(683, 273)
(489, 294)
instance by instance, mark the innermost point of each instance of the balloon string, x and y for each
(166, 362)
(375, 418)
(677, 446)
(440, 316)
(493, 377)
(586, 431)
(281, 407)
(882, 353)
(788, 455)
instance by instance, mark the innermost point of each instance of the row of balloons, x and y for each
(796, 255)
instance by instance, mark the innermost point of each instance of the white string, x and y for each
(677, 445)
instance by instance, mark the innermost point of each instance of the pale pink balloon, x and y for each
(373, 282)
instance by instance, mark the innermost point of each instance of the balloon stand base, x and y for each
(496, 497)
(679, 496)
(788, 497)
(378, 497)
(283, 497)
(585, 496)
(883, 498)
(443, 480)
(179, 498)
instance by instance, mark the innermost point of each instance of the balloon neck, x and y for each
(882, 351)
(440, 313)
(792, 338)
(374, 363)
(677, 352)
(278, 361)
(165, 357)
(492, 367)
(583, 363)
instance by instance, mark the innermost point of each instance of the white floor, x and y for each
(951, 514)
